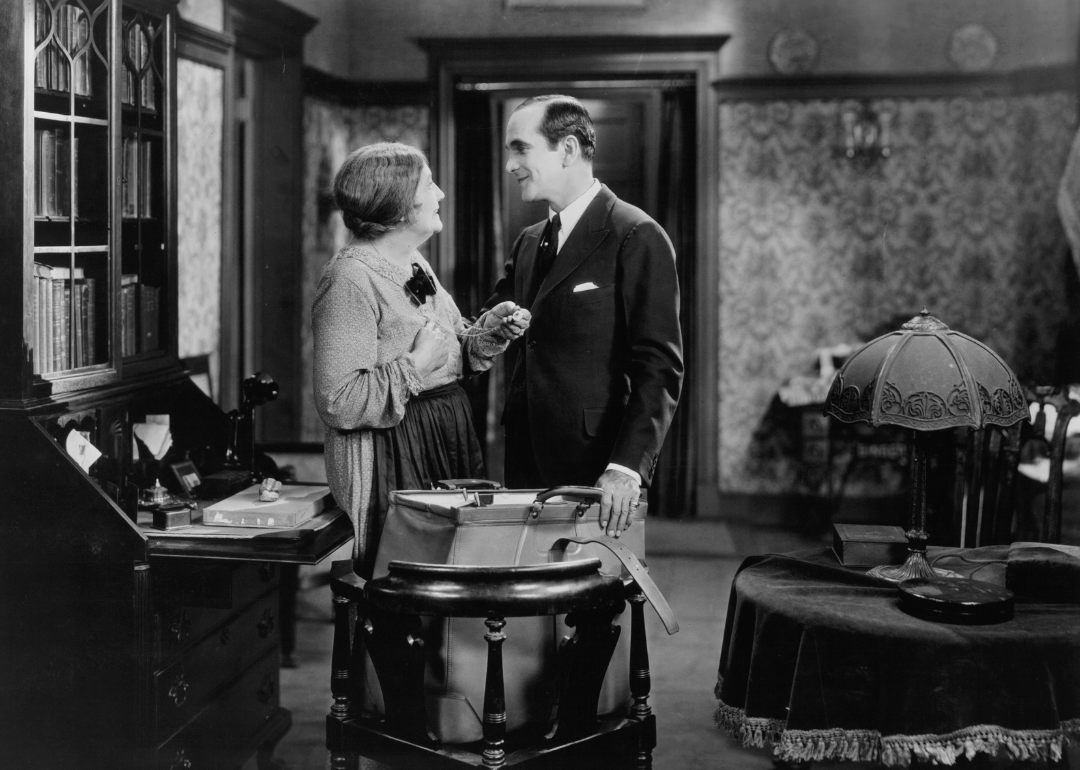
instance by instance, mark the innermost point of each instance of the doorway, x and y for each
(654, 99)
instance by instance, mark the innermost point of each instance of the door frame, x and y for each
(454, 60)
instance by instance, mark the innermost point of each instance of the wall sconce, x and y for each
(865, 134)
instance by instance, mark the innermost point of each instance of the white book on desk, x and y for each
(295, 505)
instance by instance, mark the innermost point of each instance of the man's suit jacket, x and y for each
(599, 370)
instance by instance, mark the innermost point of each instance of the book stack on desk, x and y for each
(868, 545)
(295, 505)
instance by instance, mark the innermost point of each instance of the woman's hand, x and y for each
(428, 351)
(509, 319)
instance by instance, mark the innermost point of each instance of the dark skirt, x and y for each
(434, 440)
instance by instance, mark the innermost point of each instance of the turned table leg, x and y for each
(641, 682)
(494, 695)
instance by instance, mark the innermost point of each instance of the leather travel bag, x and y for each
(500, 528)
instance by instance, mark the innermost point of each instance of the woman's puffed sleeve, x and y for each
(351, 392)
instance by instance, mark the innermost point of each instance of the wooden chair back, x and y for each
(984, 487)
(1051, 448)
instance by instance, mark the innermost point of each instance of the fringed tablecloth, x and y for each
(819, 663)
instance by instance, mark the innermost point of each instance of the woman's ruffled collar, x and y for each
(381, 265)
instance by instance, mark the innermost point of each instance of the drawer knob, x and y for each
(178, 689)
(180, 761)
(181, 625)
(266, 625)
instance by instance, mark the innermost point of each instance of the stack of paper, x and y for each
(297, 504)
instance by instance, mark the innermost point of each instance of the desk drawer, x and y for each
(182, 688)
(225, 728)
(204, 598)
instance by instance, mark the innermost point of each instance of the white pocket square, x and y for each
(585, 286)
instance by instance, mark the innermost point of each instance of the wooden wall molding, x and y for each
(206, 46)
(358, 93)
(265, 28)
(902, 86)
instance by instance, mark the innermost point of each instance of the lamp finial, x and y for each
(924, 322)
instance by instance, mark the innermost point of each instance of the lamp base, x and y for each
(916, 566)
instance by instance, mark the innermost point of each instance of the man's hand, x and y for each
(509, 319)
(618, 503)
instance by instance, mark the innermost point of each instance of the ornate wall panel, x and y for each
(817, 250)
(331, 132)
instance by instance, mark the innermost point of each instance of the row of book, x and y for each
(66, 313)
(53, 195)
(139, 314)
(53, 70)
(137, 178)
(58, 300)
(138, 52)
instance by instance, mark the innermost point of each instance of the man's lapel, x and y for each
(526, 265)
(590, 232)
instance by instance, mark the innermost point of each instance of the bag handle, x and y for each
(637, 571)
(583, 496)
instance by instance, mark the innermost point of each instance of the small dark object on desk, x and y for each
(223, 484)
(172, 516)
(956, 600)
(868, 545)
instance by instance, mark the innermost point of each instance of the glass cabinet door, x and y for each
(72, 264)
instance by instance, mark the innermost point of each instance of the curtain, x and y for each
(672, 491)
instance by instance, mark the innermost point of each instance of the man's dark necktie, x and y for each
(549, 247)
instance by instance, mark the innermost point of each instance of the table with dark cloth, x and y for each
(819, 662)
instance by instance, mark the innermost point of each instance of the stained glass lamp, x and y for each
(925, 377)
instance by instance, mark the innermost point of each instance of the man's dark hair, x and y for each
(564, 116)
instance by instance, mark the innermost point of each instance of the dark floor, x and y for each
(692, 563)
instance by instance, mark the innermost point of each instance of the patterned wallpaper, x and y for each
(817, 251)
(199, 190)
(331, 132)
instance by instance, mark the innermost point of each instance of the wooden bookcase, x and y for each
(90, 168)
(117, 649)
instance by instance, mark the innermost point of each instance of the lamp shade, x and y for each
(926, 377)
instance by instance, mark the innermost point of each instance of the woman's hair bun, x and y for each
(376, 186)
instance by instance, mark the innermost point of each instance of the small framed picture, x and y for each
(187, 474)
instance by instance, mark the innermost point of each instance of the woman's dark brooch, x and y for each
(420, 286)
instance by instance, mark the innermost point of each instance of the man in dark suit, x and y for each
(596, 378)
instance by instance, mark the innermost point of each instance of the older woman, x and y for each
(391, 346)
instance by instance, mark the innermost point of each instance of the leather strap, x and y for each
(637, 571)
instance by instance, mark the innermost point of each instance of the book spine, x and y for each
(91, 322)
(75, 177)
(36, 357)
(145, 183)
(63, 167)
(48, 358)
(47, 171)
(80, 36)
(66, 341)
(39, 168)
(77, 317)
(41, 72)
(57, 324)
(43, 332)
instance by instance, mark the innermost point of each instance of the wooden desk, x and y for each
(218, 623)
(820, 663)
